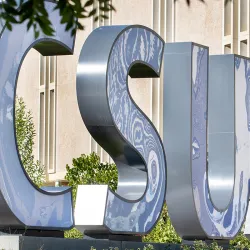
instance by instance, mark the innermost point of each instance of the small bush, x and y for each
(240, 242)
(73, 234)
(164, 231)
(25, 135)
(87, 169)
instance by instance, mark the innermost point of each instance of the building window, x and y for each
(47, 122)
(243, 27)
(230, 26)
(163, 22)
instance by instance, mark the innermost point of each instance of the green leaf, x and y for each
(10, 10)
(92, 12)
(79, 26)
(88, 3)
(69, 26)
(66, 17)
(73, 32)
(112, 8)
(105, 8)
(37, 33)
(11, 3)
(42, 10)
(29, 24)
(8, 25)
(104, 17)
(12, 19)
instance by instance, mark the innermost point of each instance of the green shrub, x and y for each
(87, 169)
(201, 245)
(148, 247)
(25, 135)
(164, 231)
(240, 242)
(73, 234)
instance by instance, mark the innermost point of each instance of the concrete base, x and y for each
(32, 232)
(16, 242)
(105, 235)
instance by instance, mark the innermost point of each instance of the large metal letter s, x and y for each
(22, 204)
(207, 189)
(108, 56)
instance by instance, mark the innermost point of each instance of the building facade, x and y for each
(48, 84)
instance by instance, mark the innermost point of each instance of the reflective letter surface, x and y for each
(21, 203)
(108, 56)
(207, 189)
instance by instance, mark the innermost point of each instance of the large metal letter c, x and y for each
(21, 203)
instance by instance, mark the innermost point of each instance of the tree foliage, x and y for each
(25, 136)
(34, 13)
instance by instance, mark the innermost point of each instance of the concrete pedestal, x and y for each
(18, 242)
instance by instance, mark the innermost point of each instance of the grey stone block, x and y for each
(19, 242)
(43, 243)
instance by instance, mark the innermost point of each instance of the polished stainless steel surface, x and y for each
(177, 138)
(221, 131)
(207, 191)
(108, 56)
(22, 204)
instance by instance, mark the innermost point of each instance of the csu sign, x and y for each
(206, 113)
